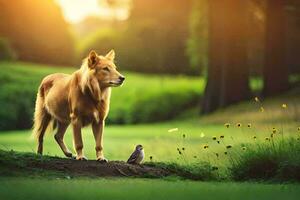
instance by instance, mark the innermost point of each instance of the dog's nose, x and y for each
(122, 78)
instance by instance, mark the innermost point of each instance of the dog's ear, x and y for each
(92, 59)
(110, 55)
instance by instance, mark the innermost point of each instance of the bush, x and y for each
(274, 160)
(155, 107)
(6, 51)
(17, 97)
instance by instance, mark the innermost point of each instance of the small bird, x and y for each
(137, 156)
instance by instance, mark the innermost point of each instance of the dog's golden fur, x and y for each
(80, 99)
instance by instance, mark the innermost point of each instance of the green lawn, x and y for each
(20, 188)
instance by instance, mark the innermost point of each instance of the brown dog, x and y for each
(81, 98)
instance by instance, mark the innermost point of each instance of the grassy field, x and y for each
(159, 142)
(140, 189)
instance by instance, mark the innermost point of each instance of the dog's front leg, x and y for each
(98, 135)
(77, 138)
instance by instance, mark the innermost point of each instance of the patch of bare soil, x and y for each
(94, 168)
(29, 164)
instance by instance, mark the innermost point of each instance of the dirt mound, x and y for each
(95, 168)
(29, 164)
(16, 163)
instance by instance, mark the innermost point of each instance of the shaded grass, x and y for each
(203, 171)
(23, 188)
(277, 160)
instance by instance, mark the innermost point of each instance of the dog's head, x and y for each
(104, 69)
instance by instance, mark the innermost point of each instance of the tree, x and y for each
(159, 30)
(228, 71)
(37, 31)
(275, 69)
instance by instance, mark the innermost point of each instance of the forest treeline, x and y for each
(227, 41)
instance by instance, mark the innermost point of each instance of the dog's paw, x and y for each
(69, 155)
(81, 158)
(102, 160)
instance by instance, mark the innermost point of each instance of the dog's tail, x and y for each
(42, 120)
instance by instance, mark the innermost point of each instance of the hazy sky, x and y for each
(76, 10)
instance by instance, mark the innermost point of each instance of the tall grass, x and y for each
(272, 160)
(270, 154)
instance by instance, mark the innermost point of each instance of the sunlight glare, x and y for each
(75, 11)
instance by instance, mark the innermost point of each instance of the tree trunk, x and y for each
(275, 69)
(228, 71)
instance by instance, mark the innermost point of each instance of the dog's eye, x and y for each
(106, 69)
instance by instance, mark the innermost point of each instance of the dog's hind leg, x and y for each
(59, 137)
(46, 121)
(41, 122)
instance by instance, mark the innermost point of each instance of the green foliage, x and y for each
(18, 88)
(6, 51)
(16, 111)
(272, 160)
(163, 99)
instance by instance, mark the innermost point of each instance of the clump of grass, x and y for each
(274, 160)
(203, 171)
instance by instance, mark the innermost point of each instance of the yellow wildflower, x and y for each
(227, 125)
